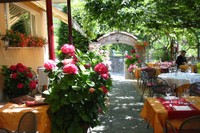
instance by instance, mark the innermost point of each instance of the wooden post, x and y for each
(69, 22)
(50, 29)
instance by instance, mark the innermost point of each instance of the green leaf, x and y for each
(74, 98)
(76, 87)
(82, 67)
(75, 128)
(90, 83)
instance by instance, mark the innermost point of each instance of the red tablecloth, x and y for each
(174, 114)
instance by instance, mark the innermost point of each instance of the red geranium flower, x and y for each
(20, 85)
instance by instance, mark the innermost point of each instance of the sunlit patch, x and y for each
(115, 108)
(123, 112)
(99, 128)
(125, 97)
(128, 117)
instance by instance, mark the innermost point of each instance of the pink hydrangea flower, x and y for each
(68, 49)
(105, 76)
(68, 61)
(70, 69)
(49, 65)
(101, 68)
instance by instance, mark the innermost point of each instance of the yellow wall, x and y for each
(31, 57)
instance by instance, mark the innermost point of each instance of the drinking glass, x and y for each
(168, 92)
(186, 93)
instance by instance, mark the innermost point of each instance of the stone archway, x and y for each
(117, 37)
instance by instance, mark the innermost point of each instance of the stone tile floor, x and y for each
(123, 110)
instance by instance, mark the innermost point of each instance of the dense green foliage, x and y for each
(79, 40)
(151, 20)
(78, 86)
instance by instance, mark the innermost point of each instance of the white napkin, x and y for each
(182, 108)
(171, 98)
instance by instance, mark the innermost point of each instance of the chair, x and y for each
(146, 82)
(164, 70)
(4, 130)
(144, 76)
(160, 86)
(27, 123)
(189, 125)
(151, 71)
(151, 82)
(158, 80)
(160, 89)
(195, 89)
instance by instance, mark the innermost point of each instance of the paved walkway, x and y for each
(124, 109)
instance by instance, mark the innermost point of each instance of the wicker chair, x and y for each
(4, 130)
(27, 123)
(189, 125)
(195, 89)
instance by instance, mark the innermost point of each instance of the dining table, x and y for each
(157, 110)
(182, 80)
(10, 114)
(137, 71)
(187, 66)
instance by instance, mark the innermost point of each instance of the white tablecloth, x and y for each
(180, 78)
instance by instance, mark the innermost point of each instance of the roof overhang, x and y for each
(60, 15)
(7, 1)
(53, 1)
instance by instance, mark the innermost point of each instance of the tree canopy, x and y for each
(160, 22)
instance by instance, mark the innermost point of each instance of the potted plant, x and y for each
(18, 80)
(140, 46)
(17, 39)
(78, 87)
(132, 60)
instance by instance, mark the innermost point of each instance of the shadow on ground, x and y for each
(123, 110)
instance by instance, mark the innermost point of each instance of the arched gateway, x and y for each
(116, 37)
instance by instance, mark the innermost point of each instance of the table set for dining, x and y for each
(10, 114)
(177, 108)
(181, 79)
(157, 110)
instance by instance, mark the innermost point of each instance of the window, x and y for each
(20, 20)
